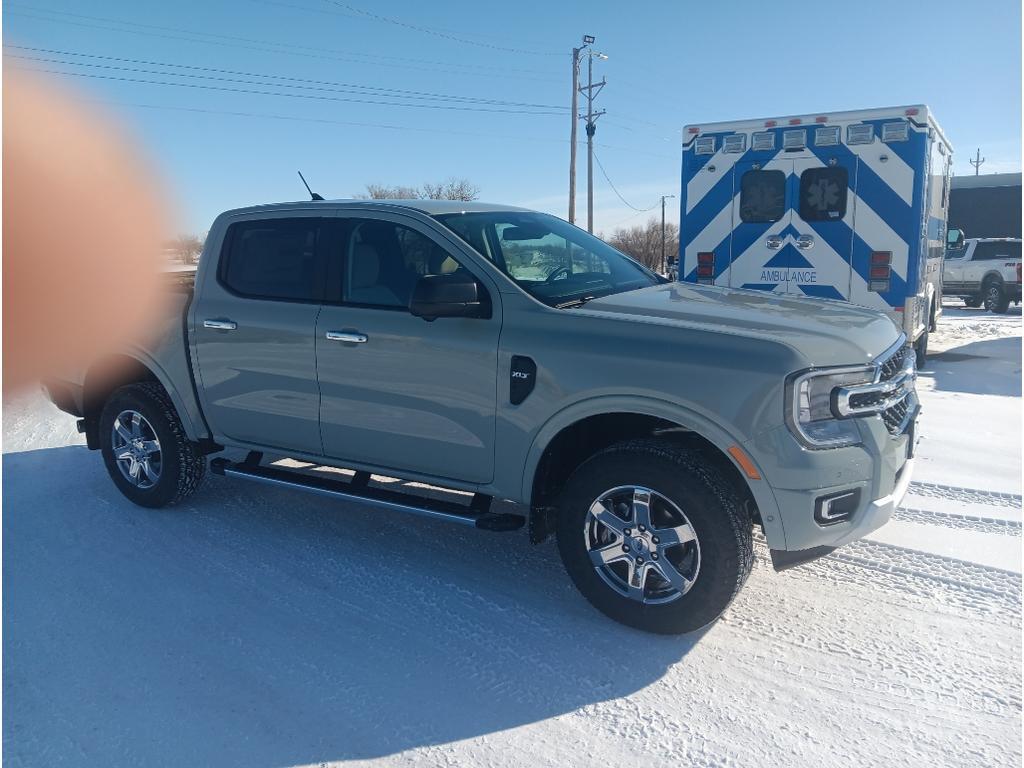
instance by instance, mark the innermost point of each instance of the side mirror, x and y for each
(457, 294)
(955, 239)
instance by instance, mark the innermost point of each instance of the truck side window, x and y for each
(762, 196)
(384, 260)
(994, 251)
(273, 259)
(823, 193)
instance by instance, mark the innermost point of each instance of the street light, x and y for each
(664, 265)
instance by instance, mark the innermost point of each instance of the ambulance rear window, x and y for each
(762, 196)
(823, 193)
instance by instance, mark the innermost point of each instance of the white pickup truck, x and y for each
(984, 269)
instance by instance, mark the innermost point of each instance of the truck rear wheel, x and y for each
(996, 299)
(921, 349)
(655, 537)
(972, 301)
(145, 449)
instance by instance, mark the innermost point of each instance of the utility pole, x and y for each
(592, 89)
(978, 160)
(664, 264)
(587, 40)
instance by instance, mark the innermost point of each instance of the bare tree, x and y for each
(643, 242)
(452, 189)
(186, 247)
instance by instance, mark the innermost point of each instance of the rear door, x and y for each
(253, 329)
(821, 236)
(760, 219)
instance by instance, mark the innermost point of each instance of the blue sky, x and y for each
(670, 63)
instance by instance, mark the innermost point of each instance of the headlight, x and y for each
(809, 410)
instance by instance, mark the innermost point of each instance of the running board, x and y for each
(477, 513)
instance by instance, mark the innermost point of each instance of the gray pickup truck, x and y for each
(503, 354)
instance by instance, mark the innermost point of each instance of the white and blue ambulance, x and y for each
(849, 206)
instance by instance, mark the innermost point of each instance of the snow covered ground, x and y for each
(257, 627)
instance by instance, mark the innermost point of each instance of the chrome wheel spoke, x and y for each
(642, 507)
(121, 431)
(136, 424)
(635, 580)
(149, 447)
(608, 518)
(680, 534)
(151, 474)
(125, 454)
(672, 575)
(607, 555)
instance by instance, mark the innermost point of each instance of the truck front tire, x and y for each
(145, 449)
(654, 536)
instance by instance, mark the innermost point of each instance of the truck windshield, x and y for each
(550, 259)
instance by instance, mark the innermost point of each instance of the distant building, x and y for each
(986, 206)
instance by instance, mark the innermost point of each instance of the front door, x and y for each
(397, 391)
(820, 235)
(760, 220)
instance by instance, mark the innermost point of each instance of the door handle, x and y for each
(220, 325)
(804, 242)
(774, 242)
(351, 337)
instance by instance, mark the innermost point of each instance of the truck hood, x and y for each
(824, 332)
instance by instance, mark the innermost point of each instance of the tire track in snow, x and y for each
(959, 521)
(967, 495)
(955, 583)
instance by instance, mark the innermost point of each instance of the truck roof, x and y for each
(429, 207)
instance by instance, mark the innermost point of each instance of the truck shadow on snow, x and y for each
(986, 367)
(265, 627)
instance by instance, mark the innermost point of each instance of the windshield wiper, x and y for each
(574, 303)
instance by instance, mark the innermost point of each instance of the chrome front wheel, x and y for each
(642, 545)
(136, 449)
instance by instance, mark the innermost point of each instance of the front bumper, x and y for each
(879, 470)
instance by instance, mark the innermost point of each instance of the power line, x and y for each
(624, 201)
(311, 96)
(265, 46)
(300, 82)
(436, 32)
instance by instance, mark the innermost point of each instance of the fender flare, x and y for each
(188, 423)
(668, 410)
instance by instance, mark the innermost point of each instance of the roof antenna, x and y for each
(313, 195)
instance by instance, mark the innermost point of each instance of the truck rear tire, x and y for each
(996, 299)
(145, 449)
(655, 536)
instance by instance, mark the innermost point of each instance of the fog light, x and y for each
(836, 507)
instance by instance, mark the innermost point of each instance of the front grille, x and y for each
(894, 364)
(895, 416)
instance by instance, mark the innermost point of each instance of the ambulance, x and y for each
(843, 206)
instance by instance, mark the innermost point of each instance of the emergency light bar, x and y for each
(895, 131)
(763, 140)
(735, 143)
(826, 136)
(704, 145)
(861, 133)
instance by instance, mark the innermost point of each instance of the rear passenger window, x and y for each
(823, 193)
(273, 259)
(762, 196)
(996, 251)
